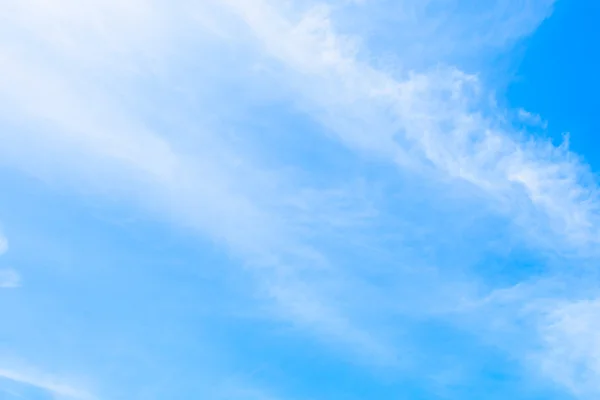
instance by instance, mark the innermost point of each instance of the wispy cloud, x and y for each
(531, 119)
(436, 118)
(9, 278)
(51, 385)
(412, 34)
(94, 100)
(440, 118)
(82, 135)
(3, 244)
(569, 347)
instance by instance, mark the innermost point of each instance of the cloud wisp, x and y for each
(81, 134)
(437, 118)
(9, 278)
(3, 244)
(98, 97)
(48, 384)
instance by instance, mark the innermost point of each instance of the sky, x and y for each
(299, 200)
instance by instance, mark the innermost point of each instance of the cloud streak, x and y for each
(3, 244)
(76, 116)
(82, 136)
(49, 384)
(437, 117)
(440, 118)
(9, 279)
(568, 353)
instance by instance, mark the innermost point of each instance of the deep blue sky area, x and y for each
(559, 76)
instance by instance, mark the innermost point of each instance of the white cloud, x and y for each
(57, 388)
(550, 324)
(9, 278)
(3, 244)
(531, 119)
(70, 126)
(570, 348)
(69, 123)
(422, 33)
(440, 118)
(435, 118)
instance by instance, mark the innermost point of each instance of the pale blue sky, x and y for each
(300, 200)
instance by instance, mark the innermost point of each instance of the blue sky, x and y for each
(301, 200)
